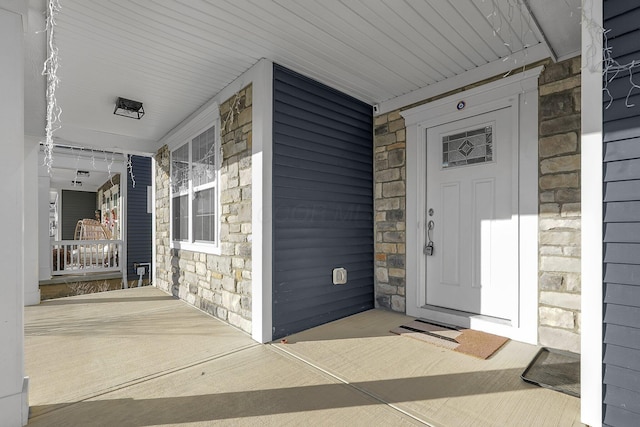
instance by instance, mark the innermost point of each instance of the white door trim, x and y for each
(520, 92)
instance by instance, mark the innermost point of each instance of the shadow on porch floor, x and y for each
(148, 359)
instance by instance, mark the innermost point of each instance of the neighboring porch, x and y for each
(140, 357)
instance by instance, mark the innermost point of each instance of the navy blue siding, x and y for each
(322, 203)
(138, 220)
(621, 124)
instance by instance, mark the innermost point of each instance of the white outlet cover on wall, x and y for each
(339, 276)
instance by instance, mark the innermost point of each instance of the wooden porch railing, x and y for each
(85, 256)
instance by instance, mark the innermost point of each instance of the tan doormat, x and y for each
(467, 341)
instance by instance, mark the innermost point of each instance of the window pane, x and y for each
(468, 148)
(204, 215)
(180, 218)
(180, 169)
(204, 157)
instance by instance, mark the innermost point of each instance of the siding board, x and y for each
(138, 220)
(621, 137)
(322, 203)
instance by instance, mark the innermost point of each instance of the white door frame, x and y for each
(520, 92)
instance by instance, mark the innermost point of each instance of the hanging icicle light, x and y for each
(50, 70)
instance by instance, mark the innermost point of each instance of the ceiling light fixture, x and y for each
(83, 174)
(128, 108)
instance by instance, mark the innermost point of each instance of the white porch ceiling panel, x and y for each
(174, 55)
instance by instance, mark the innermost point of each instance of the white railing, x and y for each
(85, 256)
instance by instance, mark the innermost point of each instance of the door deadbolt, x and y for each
(430, 212)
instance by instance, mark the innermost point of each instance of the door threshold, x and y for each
(463, 319)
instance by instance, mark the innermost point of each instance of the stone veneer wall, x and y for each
(559, 260)
(390, 204)
(559, 219)
(217, 284)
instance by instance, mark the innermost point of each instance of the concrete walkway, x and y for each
(140, 358)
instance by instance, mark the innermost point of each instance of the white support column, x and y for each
(13, 384)
(31, 222)
(592, 279)
(44, 241)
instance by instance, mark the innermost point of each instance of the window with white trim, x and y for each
(194, 191)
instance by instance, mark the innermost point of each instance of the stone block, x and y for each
(394, 115)
(563, 180)
(382, 275)
(571, 210)
(551, 282)
(556, 104)
(388, 204)
(560, 264)
(559, 223)
(388, 248)
(556, 317)
(381, 129)
(398, 303)
(244, 287)
(221, 313)
(245, 177)
(396, 125)
(395, 215)
(573, 282)
(386, 289)
(388, 175)
(556, 71)
(560, 164)
(201, 268)
(381, 165)
(393, 189)
(383, 301)
(549, 89)
(401, 135)
(559, 338)
(558, 144)
(395, 261)
(397, 281)
(229, 284)
(396, 272)
(397, 157)
(568, 195)
(560, 125)
(547, 196)
(560, 299)
(572, 251)
(385, 139)
(551, 250)
(394, 237)
(397, 146)
(239, 322)
(377, 121)
(550, 208)
(231, 301)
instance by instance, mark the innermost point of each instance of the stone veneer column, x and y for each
(217, 284)
(390, 202)
(559, 220)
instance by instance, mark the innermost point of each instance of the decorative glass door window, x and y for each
(468, 148)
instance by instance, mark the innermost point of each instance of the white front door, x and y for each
(472, 214)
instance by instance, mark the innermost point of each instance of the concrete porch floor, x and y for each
(139, 357)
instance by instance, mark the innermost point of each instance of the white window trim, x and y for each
(192, 245)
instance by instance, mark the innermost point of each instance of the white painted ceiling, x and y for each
(175, 55)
